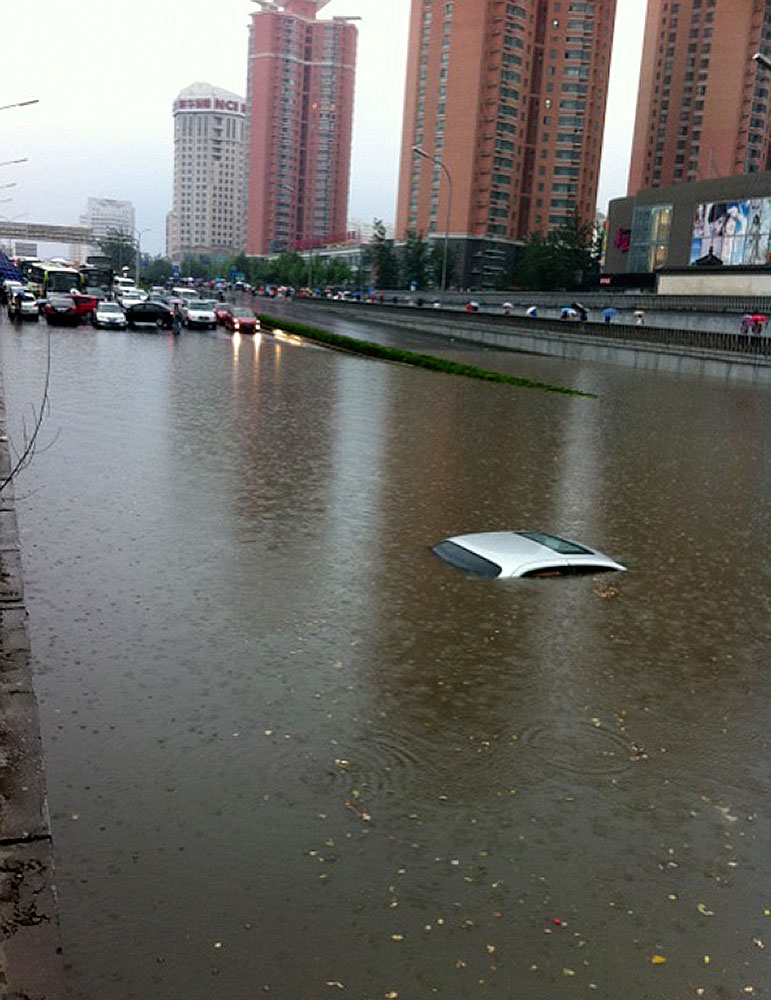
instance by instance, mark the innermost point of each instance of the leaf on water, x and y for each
(658, 960)
(397, 937)
(702, 908)
(568, 972)
(335, 983)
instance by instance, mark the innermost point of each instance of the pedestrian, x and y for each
(531, 312)
(507, 308)
(608, 314)
(744, 324)
(177, 319)
(639, 317)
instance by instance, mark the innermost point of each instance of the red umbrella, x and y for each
(758, 319)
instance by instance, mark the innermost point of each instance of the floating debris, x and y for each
(658, 960)
(702, 908)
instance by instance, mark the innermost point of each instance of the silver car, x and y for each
(521, 553)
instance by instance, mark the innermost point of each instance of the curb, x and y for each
(31, 963)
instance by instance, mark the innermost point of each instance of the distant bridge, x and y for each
(39, 232)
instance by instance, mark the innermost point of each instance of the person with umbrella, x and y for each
(757, 322)
(531, 312)
(609, 313)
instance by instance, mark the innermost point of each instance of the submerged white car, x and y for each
(110, 315)
(521, 554)
(200, 312)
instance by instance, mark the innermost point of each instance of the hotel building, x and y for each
(702, 108)
(509, 99)
(300, 89)
(207, 219)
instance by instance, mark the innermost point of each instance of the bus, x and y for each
(45, 277)
(96, 275)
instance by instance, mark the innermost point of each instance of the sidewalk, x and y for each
(31, 965)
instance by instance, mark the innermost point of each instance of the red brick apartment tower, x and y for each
(511, 97)
(300, 90)
(702, 107)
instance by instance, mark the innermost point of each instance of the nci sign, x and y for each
(210, 104)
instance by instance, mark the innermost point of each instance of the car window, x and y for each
(461, 558)
(561, 545)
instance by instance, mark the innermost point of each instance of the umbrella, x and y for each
(759, 318)
(610, 311)
(531, 311)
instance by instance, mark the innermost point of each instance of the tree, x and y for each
(385, 264)
(414, 260)
(120, 247)
(567, 257)
(157, 270)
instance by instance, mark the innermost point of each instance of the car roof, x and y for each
(518, 553)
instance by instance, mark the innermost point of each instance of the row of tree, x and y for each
(565, 258)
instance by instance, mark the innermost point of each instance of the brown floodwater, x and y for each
(292, 754)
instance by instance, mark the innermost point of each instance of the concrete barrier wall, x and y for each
(663, 349)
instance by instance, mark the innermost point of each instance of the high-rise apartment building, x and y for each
(207, 219)
(509, 98)
(300, 88)
(703, 103)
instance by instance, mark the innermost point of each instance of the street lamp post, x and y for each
(762, 60)
(138, 234)
(419, 151)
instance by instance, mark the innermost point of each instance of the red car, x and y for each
(85, 305)
(241, 320)
(222, 310)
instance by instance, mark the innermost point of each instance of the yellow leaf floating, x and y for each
(658, 960)
(702, 908)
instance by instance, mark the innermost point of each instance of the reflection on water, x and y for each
(290, 751)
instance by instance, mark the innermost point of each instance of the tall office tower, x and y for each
(207, 219)
(702, 107)
(300, 93)
(105, 217)
(509, 99)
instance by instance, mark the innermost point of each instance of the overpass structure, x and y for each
(39, 232)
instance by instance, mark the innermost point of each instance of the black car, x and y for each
(149, 313)
(61, 310)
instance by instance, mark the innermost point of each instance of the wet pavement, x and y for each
(291, 754)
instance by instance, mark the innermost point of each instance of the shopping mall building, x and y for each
(710, 237)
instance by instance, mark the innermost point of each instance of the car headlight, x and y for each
(236, 325)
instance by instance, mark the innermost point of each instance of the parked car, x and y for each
(85, 305)
(61, 310)
(199, 313)
(242, 320)
(110, 316)
(222, 310)
(128, 296)
(149, 313)
(521, 553)
(23, 305)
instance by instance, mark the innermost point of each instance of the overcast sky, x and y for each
(106, 75)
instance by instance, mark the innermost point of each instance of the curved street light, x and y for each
(419, 151)
(20, 104)
(762, 60)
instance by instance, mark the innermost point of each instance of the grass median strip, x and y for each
(369, 350)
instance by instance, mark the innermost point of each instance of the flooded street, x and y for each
(292, 754)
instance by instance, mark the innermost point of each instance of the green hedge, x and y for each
(367, 349)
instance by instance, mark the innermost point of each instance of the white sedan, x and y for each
(521, 553)
(200, 312)
(109, 315)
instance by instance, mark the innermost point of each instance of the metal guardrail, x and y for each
(690, 341)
